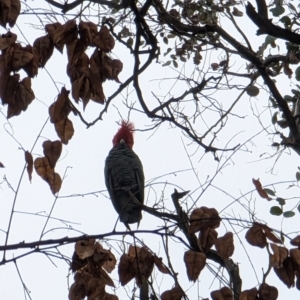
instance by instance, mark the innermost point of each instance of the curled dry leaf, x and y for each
(52, 150)
(29, 161)
(133, 251)
(175, 293)
(77, 263)
(295, 256)
(9, 12)
(43, 169)
(224, 245)
(95, 288)
(280, 254)
(8, 85)
(260, 190)
(106, 278)
(267, 292)
(110, 264)
(75, 49)
(296, 241)
(32, 67)
(85, 249)
(110, 297)
(81, 89)
(7, 39)
(64, 130)
(77, 289)
(202, 218)
(61, 108)
(65, 34)
(225, 293)
(74, 69)
(194, 263)
(143, 265)
(1, 165)
(23, 96)
(248, 294)
(256, 237)
(206, 239)
(287, 273)
(126, 270)
(160, 266)
(104, 40)
(87, 32)
(45, 46)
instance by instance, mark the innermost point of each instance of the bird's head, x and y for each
(124, 134)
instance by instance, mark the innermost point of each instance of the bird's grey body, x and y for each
(123, 173)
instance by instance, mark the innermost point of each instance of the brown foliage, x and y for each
(89, 261)
(44, 170)
(52, 150)
(260, 190)
(296, 241)
(175, 293)
(194, 263)
(224, 245)
(257, 235)
(44, 46)
(206, 239)
(29, 161)
(286, 272)
(267, 292)
(202, 218)
(224, 293)
(249, 294)
(9, 12)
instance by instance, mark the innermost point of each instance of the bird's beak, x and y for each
(122, 141)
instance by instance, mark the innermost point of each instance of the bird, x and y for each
(124, 176)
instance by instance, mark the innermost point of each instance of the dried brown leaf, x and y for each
(160, 266)
(1, 165)
(14, 12)
(296, 241)
(75, 49)
(64, 130)
(270, 235)
(8, 85)
(224, 245)
(65, 34)
(194, 263)
(110, 264)
(29, 161)
(295, 256)
(77, 263)
(7, 39)
(43, 169)
(256, 237)
(45, 47)
(249, 294)
(77, 289)
(95, 288)
(104, 40)
(202, 218)
(175, 293)
(126, 270)
(225, 293)
(74, 69)
(110, 297)
(61, 108)
(267, 292)
(206, 239)
(286, 273)
(260, 190)
(87, 32)
(85, 248)
(280, 254)
(143, 265)
(106, 278)
(31, 68)
(52, 150)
